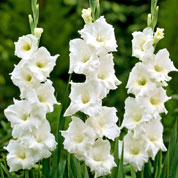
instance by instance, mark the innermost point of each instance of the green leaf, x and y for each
(148, 170)
(133, 174)
(85, 172)
(61, 168)
(6, 171)
(174, 171)
(158, 165)
(173, 154)
(116, 159)
(170, 155)
(2, 173)
(76, 167)
(121, 170)
(46, 168)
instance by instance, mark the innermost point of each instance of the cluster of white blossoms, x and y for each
(142, 112)
(92, 57)
(32, 139)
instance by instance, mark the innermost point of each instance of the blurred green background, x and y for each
(61, 20)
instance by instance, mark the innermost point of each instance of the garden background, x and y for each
(61, 20)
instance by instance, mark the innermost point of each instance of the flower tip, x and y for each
(86, 15)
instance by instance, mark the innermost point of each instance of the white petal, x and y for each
(83, 58)
(100, 34)
(26, 46)
(99, 159)
(142, 44)
(105, 123)
(42, 63)
(134, 151)
(85, 97)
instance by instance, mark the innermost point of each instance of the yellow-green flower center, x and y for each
(78, 139)
(21, 155)
(39, 64)
(158, 68)
(137, 117)
(101, 76)
(26, 47)
(142, 82)
(155, 101)
(134, 151)
(25, 116)
(28, 78)
(85, 58)
(85, 99)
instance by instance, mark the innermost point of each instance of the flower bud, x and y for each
(159, 34)
(30, 18)
(38, 32)
(86, 15)
(149, 20)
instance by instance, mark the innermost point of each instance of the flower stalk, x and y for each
(91, 55)
(95, 8)
(153, 17)
(32, 137)
(34, 18)
(146, 81)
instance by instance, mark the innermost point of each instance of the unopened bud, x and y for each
(30, 18)
(149, 20)
(37, 6)
(159, 34)
(38, 32)
(97, 2)
(86, 15)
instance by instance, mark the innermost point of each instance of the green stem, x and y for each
(33, 19)
(61, 121)
(95, 8)
(68, 164)
(26, 174)
(154, 14)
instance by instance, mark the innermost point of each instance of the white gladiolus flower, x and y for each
(106, 73)
(99, 159)
(99, 34)
(134, 114)
(134, 151)
(19, 156)
(41, 140)
(159, 34)
(83, 58)
(142, 44)
(139, 80)
(142, 113)
(43, 95)
(85, 97)
(25, 117)
(78, 137)
(91, 56)
(42, 63)
(153, 101)
(104, 123)
(30, 128)
(26, 46)
(154, 137)
(161, 66)
(23, 77)
(86, 15)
